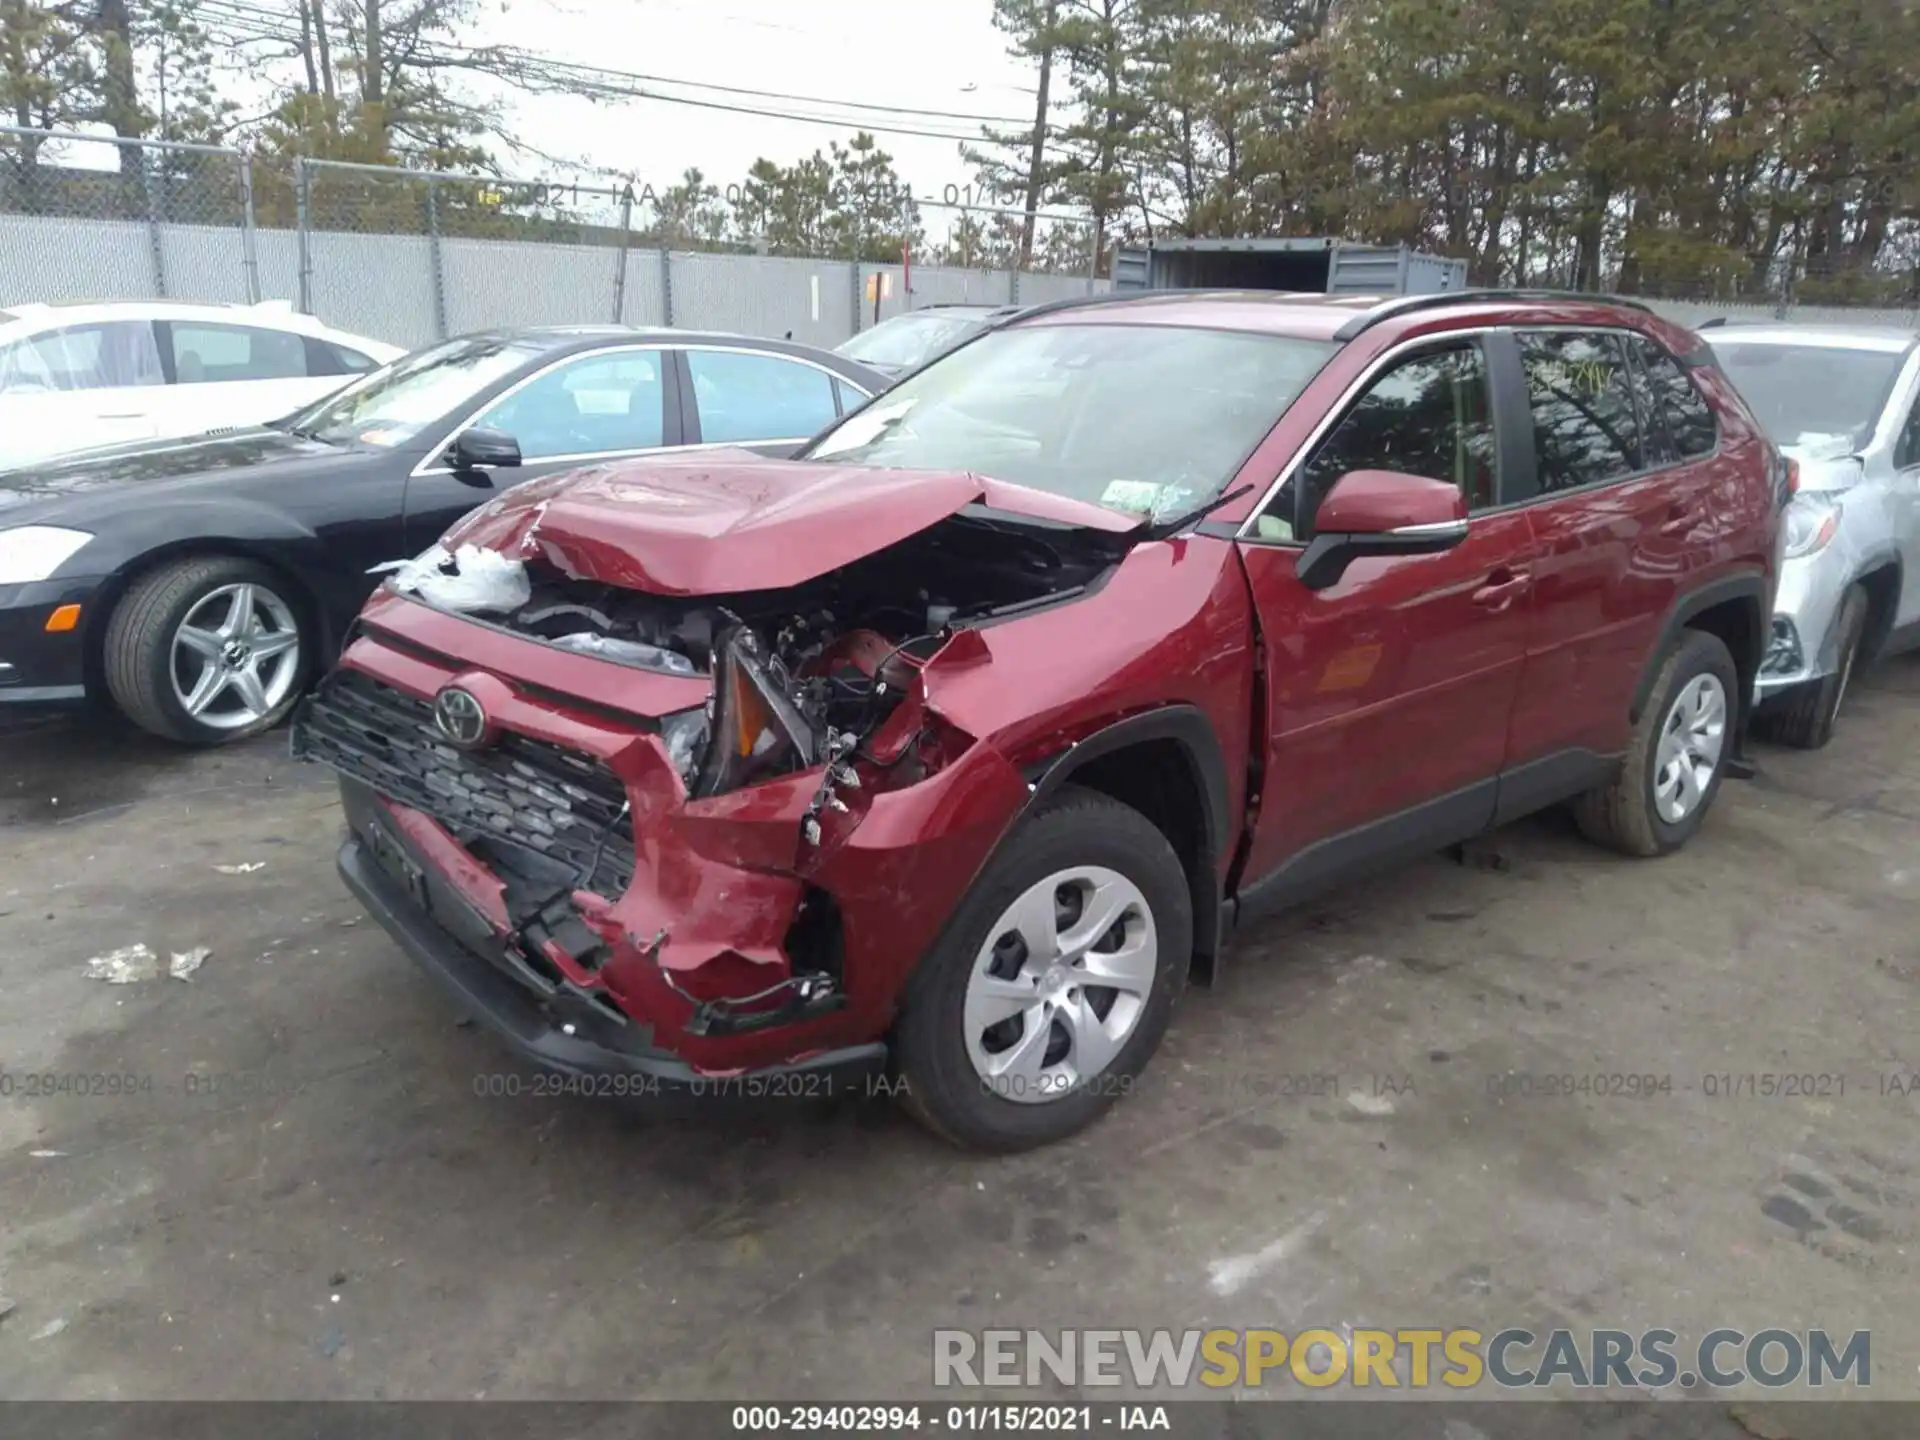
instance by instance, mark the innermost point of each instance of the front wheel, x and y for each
(207, 650)
(1054, 982)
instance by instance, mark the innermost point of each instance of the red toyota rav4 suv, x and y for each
(956, 743)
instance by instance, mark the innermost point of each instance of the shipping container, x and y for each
(1317, 265)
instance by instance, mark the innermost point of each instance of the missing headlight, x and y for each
(757, 732)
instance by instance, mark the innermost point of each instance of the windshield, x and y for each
(1145, 419)
(1806, 394)
(393, 404)
(906, 340)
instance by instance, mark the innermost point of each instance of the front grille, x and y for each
(548, 798)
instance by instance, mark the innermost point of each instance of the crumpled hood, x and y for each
(721, 522)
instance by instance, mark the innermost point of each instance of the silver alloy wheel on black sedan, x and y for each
(1692, 738)
(209, 649)
(236, 656)
(1060, 984)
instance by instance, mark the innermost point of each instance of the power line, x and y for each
(262, 24)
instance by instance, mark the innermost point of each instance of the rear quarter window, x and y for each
(1678, 402)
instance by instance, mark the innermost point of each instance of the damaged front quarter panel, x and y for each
(887, 837)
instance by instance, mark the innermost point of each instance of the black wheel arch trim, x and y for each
(1880, 628)
(278, 553)
(1750, 586)
(1190, 730)
(1187, 725)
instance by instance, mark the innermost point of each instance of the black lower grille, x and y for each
(545, 797)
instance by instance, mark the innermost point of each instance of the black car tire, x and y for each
(1805, 715)
(1623, 815)
(138, 650)
(942, 1087)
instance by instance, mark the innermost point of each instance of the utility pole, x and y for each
(1036, 161)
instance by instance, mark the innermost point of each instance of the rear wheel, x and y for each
(1804, 717)
(1055, 982)
(207, 650)
(1677, 757)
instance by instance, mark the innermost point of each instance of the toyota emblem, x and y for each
(460, 718)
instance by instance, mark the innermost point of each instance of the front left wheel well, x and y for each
(1737, 624)
(107, 599)
(1882, 585)
(1160, 779)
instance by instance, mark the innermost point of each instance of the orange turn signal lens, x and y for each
(63, 619)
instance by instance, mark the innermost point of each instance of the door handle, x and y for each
(1503, 587)
(128, 415)
(1680, 519)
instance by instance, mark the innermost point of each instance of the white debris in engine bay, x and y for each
(469, 578)
(632, 652)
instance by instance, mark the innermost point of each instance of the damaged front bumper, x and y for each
(557, 873)
(557, 1025)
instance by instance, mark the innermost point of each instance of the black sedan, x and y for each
(201, 583)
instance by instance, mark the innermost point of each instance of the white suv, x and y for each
(76, 376)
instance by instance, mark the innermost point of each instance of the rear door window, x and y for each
(1677, 402)
(326, 358)
(1584, 425)
(746, 397)
(225, 354)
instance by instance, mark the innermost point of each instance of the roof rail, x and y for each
(1121, 297)
(1047, 307)
(1441, 299)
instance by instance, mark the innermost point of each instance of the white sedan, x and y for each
(77, 376)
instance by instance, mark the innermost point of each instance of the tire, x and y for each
(1079, 839)
(1628, 814)
(153, 658)
(1805, 715)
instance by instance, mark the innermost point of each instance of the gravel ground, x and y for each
(305, 1196)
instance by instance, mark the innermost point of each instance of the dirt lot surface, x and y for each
(305, 1196)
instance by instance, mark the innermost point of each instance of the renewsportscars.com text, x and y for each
(1416, 1359)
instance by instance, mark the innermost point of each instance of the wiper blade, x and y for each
(1167, 529)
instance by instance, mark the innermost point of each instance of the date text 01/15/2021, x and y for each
(959, 1419)
(824, 1085)
(1721, 1085)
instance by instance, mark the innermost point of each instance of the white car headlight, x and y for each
(33, 552)
(1811, 520)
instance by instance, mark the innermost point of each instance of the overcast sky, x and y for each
(932, 55)
(920, 53)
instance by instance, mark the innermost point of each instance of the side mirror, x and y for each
(482, 448)
(1381, 512)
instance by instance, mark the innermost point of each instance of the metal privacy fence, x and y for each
(410, 257)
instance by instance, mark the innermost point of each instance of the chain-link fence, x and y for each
(411, 256)
(88, 218)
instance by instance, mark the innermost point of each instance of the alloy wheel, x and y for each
(235, 656)
(1060, 984)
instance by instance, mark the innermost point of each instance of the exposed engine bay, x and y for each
(803, 676)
